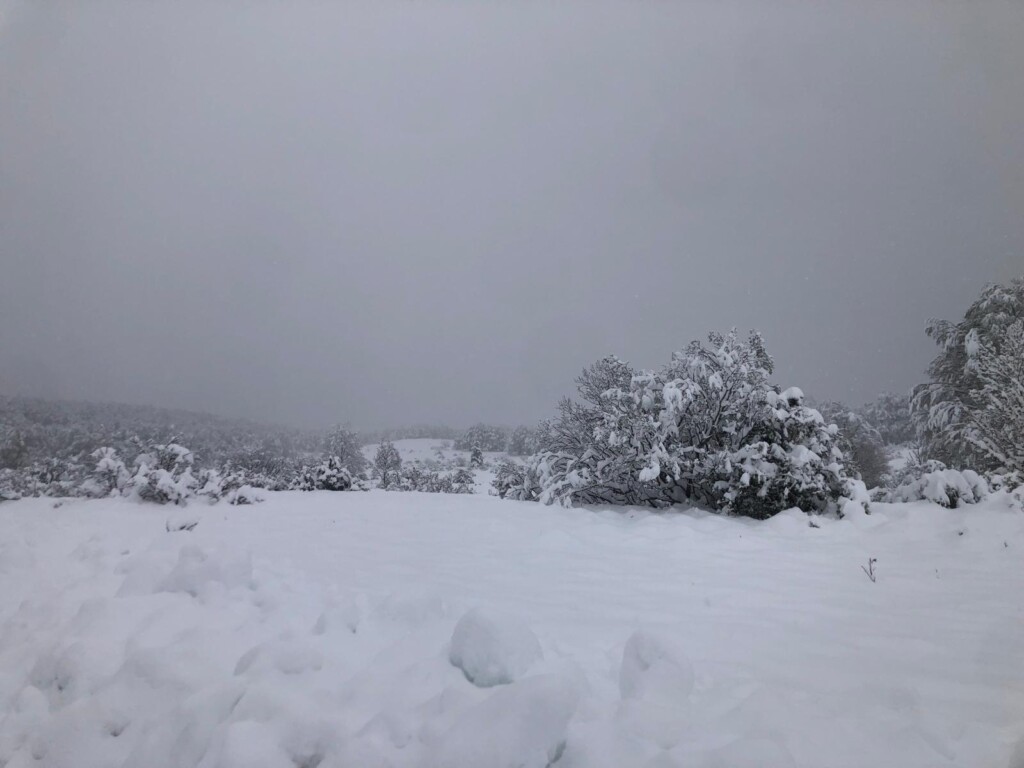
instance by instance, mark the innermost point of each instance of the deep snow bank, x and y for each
(349, 629)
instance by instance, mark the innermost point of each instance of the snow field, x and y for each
(403, 629)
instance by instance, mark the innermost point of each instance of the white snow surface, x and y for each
(316, 629)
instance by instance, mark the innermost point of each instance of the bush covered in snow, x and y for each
(933, 481)
(327, 475)
(414, 478)
(709, 428)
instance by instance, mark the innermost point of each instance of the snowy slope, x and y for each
(438, 455)
(317, 630)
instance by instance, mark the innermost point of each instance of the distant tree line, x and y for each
(709, 428)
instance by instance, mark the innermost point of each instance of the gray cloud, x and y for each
(401, 212)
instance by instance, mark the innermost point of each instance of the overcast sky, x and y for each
(422, 212)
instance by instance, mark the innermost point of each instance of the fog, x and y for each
(421, 212)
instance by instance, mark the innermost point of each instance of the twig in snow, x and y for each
(870, 570)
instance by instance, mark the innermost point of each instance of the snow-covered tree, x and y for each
(13, 451)
(523, 441)
(476, 456)
(995, 425)
(890, 414)
(794, 461)
(344, 444)
(387, 464)
(861, 441)
(966, 416)
(487, 436)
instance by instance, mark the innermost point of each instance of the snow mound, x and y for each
(198, 573)
(655, 667)
(492, 649)
(522, 725)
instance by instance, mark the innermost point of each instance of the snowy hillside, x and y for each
(405, 629)
(439, 455)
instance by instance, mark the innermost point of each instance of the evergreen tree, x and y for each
(476, 457)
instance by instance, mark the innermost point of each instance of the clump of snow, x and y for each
(197, 572)
(654, 666)
(493, 649)
(793, 396)
(522, 725)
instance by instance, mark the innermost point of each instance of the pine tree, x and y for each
(476, 456)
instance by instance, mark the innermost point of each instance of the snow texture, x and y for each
(318, 630)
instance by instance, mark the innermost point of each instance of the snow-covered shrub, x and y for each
(971, 413)
(387, 464)
(794, 462)
(709, 428)
(414, 478)
(110, 477)
(14, 484)
(513, 480)
(244, 494)
(945, 487)
(933, 481)
(57, 476)
(163, 475)
(328, 475)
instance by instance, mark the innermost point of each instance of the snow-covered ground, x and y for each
(404, 629)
